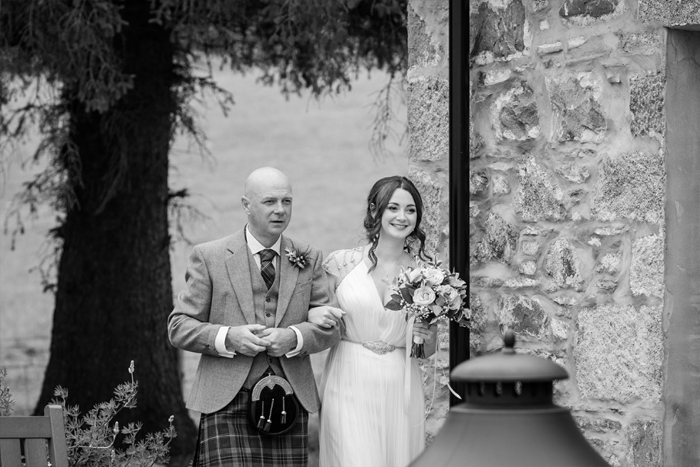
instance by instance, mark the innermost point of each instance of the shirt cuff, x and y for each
(300, 343)
(220, 343)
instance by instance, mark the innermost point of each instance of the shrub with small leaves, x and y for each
(91, 439)
(6, 401)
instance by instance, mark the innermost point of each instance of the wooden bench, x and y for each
(40, 439)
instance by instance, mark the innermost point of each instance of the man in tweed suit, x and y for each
(245, 310)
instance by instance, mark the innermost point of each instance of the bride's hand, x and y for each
(325, 316)
(429, 335)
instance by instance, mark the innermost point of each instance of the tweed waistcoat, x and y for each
(265, 303)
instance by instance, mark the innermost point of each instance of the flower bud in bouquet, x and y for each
(437, 311)
(414, 275)
(455, 281)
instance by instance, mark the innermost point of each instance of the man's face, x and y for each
(269, 209)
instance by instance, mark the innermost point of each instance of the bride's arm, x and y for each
(328, 316)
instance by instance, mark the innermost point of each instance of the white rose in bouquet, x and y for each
(451, 296)
(423, 296)
(434, 276)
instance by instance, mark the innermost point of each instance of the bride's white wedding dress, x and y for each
(372, 412)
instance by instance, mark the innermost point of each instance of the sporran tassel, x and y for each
(268, 423)
(284, 412)
(261, 420)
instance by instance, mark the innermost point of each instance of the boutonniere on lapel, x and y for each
(297, 259)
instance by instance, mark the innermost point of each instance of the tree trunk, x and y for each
(114, 289)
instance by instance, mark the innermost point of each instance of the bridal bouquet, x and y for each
(430, 293)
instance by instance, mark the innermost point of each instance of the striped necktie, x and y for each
(267, 269)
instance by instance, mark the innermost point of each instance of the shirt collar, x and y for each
(256, 247)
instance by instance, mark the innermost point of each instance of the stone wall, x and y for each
(567, 214)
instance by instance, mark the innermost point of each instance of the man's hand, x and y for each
(281, 340)
(325, 316)
(246, 339)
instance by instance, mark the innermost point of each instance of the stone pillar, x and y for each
(428, 123)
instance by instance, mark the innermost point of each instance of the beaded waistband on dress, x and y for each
(378, 347)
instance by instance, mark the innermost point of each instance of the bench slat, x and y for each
(10, 454)
(36, 453)
(25, 427)
(58, 452)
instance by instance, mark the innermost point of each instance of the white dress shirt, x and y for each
(255, 248)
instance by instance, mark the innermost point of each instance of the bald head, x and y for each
(267, 200)
(265, 177)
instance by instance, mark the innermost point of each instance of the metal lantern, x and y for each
(508, 417)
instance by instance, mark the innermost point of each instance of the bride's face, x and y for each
(399, 217)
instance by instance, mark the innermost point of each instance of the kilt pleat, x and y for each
(226, 438)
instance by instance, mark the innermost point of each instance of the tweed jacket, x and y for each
(219, 293)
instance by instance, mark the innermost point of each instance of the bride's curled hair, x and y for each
(377, 201)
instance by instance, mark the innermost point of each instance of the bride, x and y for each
(372, 410)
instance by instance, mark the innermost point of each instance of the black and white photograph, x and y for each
(349, 233)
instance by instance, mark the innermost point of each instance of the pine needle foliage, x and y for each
(108, 85)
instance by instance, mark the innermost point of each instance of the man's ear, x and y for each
(246, 204)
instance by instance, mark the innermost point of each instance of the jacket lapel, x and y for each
(288, 280)
(239, 274)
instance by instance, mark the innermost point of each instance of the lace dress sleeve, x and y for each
(330, 264)
(341, 262)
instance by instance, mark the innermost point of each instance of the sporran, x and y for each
(273, 407)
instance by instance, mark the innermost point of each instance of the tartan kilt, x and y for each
(226, 438)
